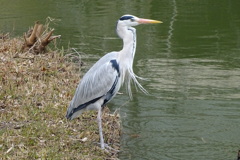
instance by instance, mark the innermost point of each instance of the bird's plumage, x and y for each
(104, 79)
(97, 83)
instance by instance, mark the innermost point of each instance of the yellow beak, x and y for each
(146, 21)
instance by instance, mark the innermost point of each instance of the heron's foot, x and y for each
(108, 148)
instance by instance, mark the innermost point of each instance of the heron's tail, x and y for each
(73, 112)
(69, 112)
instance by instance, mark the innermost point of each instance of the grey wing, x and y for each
(97, 82)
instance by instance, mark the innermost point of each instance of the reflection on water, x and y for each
(183, 130)
(192, 78)
(171, 28)
(191, 62)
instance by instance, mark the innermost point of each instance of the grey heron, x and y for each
(104, 79)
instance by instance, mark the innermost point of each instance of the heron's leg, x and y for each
(99, 119)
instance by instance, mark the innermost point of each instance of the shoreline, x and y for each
(35, 91)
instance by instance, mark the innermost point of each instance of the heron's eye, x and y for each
(132, 19)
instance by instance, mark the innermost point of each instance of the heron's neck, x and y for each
(129, 44)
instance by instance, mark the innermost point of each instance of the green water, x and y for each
(192, 62)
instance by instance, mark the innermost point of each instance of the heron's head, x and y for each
(130, 20)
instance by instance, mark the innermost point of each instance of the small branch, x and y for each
(9, 150)
(54, 37)
(36, 41)
(32, 39)
(4, 36)
(39, 30)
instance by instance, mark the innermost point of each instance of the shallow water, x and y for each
(191, 62)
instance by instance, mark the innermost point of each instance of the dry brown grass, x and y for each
(35, 91)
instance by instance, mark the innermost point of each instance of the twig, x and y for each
(9, 150)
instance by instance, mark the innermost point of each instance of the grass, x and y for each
(35, 91)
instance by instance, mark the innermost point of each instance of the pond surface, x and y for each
(192, 62)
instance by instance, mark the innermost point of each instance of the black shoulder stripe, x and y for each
(111, 92)
(115, 65)
(113, 86)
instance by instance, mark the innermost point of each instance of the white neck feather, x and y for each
(126, 56)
